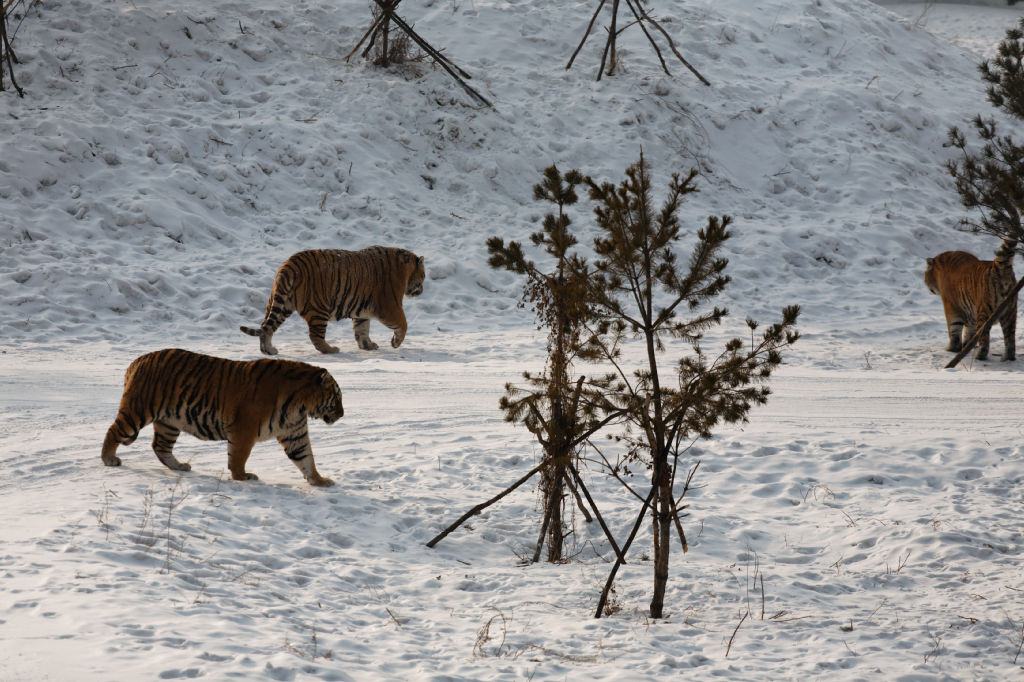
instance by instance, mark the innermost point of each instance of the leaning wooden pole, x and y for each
(625, 548)
(600, 519)
(484, 505)
(983, 329)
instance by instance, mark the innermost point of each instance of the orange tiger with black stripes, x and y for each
(970, 290)
(217, 399)
(332, 284)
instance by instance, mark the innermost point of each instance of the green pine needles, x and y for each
(992, 180)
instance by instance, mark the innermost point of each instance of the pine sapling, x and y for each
(638, 291)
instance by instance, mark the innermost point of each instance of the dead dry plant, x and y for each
(311, 652)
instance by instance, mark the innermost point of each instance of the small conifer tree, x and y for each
(992, 180)
(637, 291)
(552, 405)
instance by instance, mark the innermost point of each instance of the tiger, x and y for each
(333, 284)
(217, 399)
(970, 290)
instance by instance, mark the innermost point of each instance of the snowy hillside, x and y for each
(167, 157)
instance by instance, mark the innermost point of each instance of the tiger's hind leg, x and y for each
(317, 323)
(266, 347)
(955, 326)
(1008, 323)
(278, 310)
(123, 431)
(361, 327)
(164, 438)
(300, 452)
(983, 342)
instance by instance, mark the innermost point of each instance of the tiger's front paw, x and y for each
(245, 476)
(321, 481)
(396, 340)
(327, 348)
(113, 461)
(367, 344)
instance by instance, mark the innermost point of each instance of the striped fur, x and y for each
(332, 284)
(970, 290)
(217, 399)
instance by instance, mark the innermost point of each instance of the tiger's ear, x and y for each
(930, 261)
(419, 262)
(325, 378)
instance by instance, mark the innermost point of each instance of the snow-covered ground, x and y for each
(166, 159)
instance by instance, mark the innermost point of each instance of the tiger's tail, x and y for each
(1005, 253)
(279, 307)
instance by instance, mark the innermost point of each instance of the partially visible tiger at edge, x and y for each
(217, 399)
(332, 284)
(971, 289)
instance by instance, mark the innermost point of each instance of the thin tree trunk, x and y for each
(552, 515)
(662, 527)
(983, 329)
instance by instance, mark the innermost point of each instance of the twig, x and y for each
(728, 648)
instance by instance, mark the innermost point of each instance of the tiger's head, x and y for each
(414, 287)
(930, 278)
(328, 399)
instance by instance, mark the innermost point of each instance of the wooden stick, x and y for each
(629, 541)
(672, 46)
(609, 46)
(480, 507)
(585, 35)
(372, 29)
(643, 28)
(600, 519)
(579, 500)
(983, 329)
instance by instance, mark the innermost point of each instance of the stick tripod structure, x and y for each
(640, 18)
(7, 55)
(381, 28)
